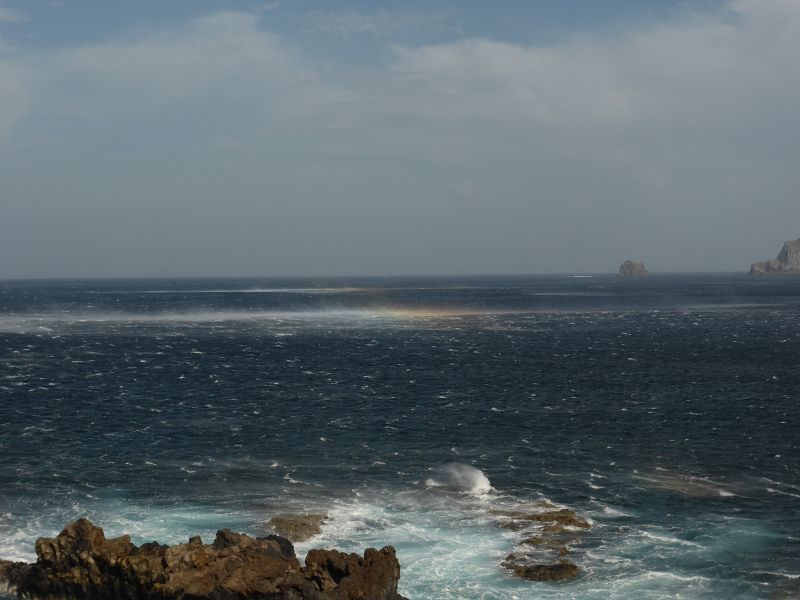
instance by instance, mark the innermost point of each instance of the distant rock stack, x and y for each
(787, 261)
(632, 269)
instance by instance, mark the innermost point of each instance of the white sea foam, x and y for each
(675, 576)
(779, 574)
(613, 513)
(447, 545)
(143, 523)
(782, 493)
(688, 485)
(665, 539)
(780, 483)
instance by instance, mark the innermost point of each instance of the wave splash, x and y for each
(462, 478)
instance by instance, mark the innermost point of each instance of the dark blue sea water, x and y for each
(664, 409)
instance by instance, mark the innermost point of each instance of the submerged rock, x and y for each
(632, 269)
(560, 571)
(297, 528)
(563, 517)
(787, 261)
(80, 563)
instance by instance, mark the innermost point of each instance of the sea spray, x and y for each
(461, 478)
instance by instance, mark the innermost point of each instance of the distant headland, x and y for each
(787, 261)
(632, 269)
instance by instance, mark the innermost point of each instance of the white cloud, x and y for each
(14, 97)
(10, 15)
(684, 132)
(382, 22)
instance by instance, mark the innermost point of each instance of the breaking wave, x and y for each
(461, 478)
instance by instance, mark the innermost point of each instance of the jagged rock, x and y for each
(787, 261)
(80, 563)
(556, 545)
(564, 517)
(632, 269)
(378, 572)
(560, 571)
(297, 528)
(10, 573)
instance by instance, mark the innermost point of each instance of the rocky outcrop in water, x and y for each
(560, 571)
(297, 528)
(632, 269)
(551, 534)
(787, 261)
(80, 563)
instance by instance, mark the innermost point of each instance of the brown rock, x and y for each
(564, 517)
(11, 573)
(550, 544)
(351, 576)
(555, 545)
(297, 528)
(81, 564)
(560, 571)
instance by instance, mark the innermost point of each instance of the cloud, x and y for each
(270, 6)
(382, 22)
(14, 97)
(225, 145)
(10, 15)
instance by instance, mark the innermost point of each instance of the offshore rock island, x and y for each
(632, 269)
(787, 261)
(80, 563)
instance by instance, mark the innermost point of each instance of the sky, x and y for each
(196, 138)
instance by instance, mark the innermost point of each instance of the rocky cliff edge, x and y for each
(787, 261)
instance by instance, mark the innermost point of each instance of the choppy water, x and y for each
(665, 410)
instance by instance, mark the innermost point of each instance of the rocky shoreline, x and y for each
(81, 564)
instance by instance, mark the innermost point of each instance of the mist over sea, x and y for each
(411, 411)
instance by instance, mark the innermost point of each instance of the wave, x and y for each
(778, 574)
(614, 513)
(688, 485)
(461, 478)
(782, 493)
(666, 539)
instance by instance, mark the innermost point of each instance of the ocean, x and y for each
(415, 412)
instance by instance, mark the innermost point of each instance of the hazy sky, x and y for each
(294, 137)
